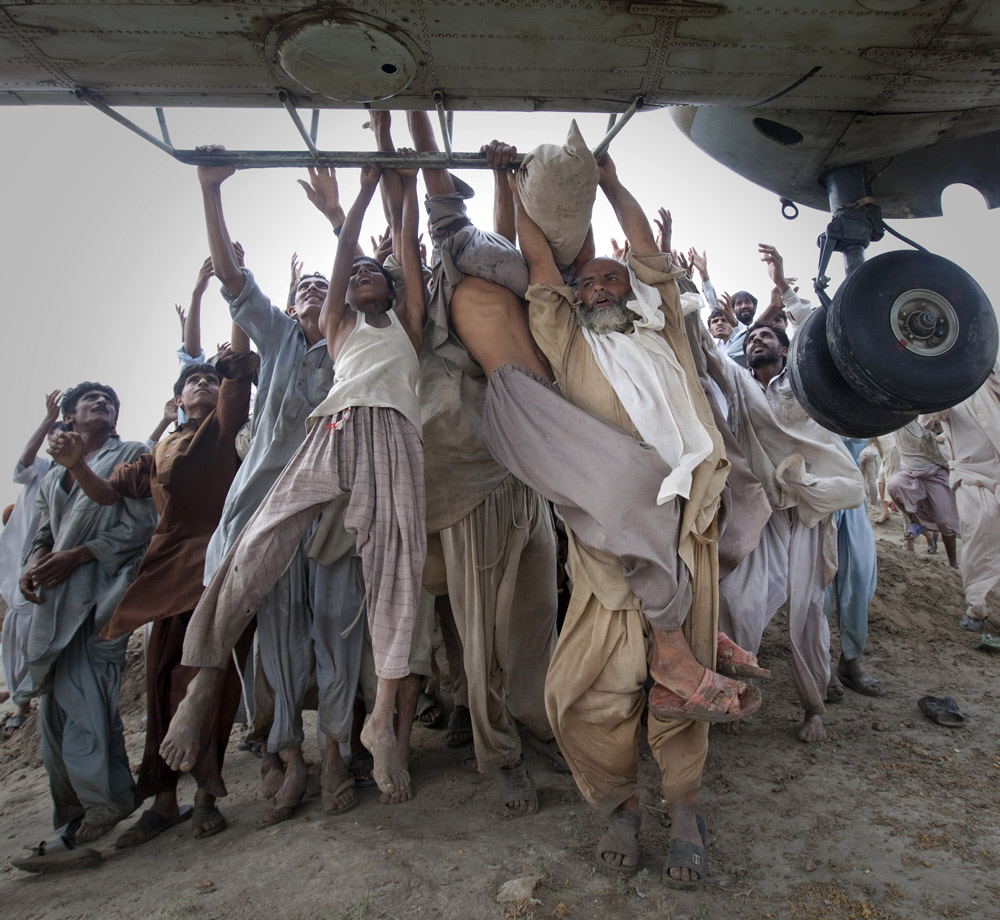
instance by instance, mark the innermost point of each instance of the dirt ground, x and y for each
(894, 818)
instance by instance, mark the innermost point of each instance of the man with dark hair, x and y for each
(188, 475)
(311, 614)
(720, 327)
(83, 557)
(807, 474)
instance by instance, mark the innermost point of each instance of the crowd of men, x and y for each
(420, 438)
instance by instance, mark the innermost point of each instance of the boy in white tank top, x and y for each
(364, 440)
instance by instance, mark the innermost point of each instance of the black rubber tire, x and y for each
(823, 392)
(870, 357)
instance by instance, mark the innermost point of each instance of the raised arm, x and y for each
(239, 341)
(499, 156)
(776, 271)
(36, 440)
(169, 415)
(630, 216)
(414, 311)
(67, 449)
(191, 321)
(535, 248)
(220, 245)
(335, 304)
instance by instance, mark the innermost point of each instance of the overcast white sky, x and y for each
(101, 234)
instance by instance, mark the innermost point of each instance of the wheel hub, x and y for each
(924, 322)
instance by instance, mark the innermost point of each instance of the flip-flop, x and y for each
(943, 710)
(516, 786)
(685, 855)
(733, 661)
(13, 723)
(150, 825)
(971, 624)
(360, 764)
(834, 689)
(429, 712)
(703, 706)
(198, 818)
(616, 840)
(459, 731)
(330, 796)
(58, 861)
(470, 762)
(988, 643)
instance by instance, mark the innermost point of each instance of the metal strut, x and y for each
(301, 128)
(313, 156)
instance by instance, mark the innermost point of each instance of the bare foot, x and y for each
(675, 667)
(287, 798)
(618, 849)
(731, 728)
(390, 775)
(88, 833)
(812, 729)
(337, 785)
(517, 791)
(181, 743)
(684, 827)
(272, 774)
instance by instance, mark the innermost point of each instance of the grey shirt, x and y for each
(117, 536)
(293, 379)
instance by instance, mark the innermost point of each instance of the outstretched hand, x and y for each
(775, 265)
(700, 262)
(205, 274)
(664, 229)
(52, 406)
(620, 251)
(382, 246)
(213, 175)
(682, 260)
(322, 190)
(66, 448)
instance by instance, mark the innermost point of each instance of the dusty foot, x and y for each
(618, 849)
(207, 819)
(675, 667)
(684, 826)
(812, 729)
(390, 775)
(834, 689)
(272, 774)
(287, 798)
(180, 745)
(333, 776)
(88, 833)
(517, 791)
(731, 728)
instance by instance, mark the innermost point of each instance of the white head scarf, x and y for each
(652, 386)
